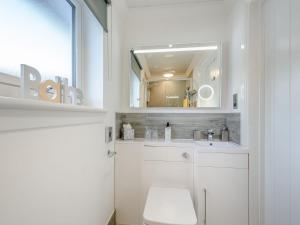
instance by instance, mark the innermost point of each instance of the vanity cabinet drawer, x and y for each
(223, 160)
(168, 154)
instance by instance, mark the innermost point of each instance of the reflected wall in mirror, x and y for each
(185, 76)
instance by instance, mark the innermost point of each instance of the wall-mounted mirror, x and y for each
(184, 76)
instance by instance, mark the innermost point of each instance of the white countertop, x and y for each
(215, 146)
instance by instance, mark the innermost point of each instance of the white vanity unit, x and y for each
(216, 174)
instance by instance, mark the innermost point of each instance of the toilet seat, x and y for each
(169, 206)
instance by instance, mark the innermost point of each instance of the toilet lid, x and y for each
(169, 206)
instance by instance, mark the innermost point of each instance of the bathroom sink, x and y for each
(201, 144)
(216, 144)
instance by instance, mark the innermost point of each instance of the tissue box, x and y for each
(128, 134)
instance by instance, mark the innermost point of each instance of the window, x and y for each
(57, 37)
(39, 33)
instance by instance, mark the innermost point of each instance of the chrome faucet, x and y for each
(210, 134)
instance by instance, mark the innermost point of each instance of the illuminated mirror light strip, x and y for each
(203, 48)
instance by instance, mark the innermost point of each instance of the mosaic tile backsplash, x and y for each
(183, 124)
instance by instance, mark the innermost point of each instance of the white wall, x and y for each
(282, 79)
(244, 74)
(238, 66)
(112, 79)
(254, 103)
(186, 23)
(112, 83)
(48, 177)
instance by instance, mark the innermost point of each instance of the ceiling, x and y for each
(161, 63)
(143, 3)
(180, 64)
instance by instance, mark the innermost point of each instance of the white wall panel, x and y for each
(55, 176)
(238, 66)
(268, 208)
(295, 112)
(282, 112)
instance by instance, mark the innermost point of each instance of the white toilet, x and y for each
(169, 206)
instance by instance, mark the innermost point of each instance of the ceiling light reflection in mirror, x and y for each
(186, 49)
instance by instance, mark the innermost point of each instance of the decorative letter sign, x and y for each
(57, 91)
(50, 91)
(30, 81)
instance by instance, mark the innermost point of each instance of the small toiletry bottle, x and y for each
(225, 134)
(147, 133)
(168, 132)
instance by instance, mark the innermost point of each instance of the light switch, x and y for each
(108, 134)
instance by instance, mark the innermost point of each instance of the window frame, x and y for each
(14, 81)
(77, 43)
(74, 40)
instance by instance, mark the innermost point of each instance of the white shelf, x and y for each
(28, 104)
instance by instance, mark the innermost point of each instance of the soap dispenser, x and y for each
(168, 132)
(225, 134)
